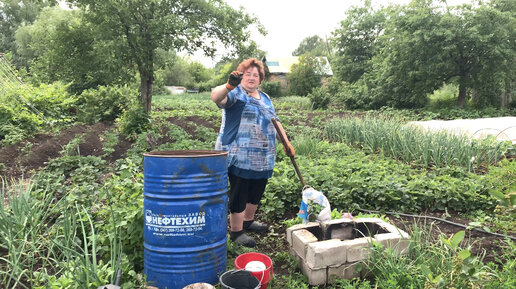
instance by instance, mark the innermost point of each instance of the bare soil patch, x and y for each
(23, 159)
(481, 243)
(190, 123)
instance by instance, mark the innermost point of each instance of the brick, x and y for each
(394, 241)
(326, 253)
(300, 240)
(393, 229)
(299, 227)
(358, 249)
(343, 221)
(368, 220)
(315, 276)
(344, 271)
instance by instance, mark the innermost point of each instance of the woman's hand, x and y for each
(289, 150)
(234, 80)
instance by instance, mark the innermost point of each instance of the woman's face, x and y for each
(251, 79)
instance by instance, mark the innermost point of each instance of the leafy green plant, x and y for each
(291, 222)
(305, 145)
(427, 264)
(72, 147)
(23, 234)
(105, 103)
(444, 97)
(503, 277)
(355, 180)
(272, 88)
(319, 98)
(134, 121)
(314, 209)
(336, 214)
(109, 141)
(26, 110)
(123, 196)
(292, 102)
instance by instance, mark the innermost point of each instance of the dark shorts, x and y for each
(243, 191)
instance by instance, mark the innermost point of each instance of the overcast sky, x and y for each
(288, 22)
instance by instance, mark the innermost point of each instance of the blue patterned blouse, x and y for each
(248, 135)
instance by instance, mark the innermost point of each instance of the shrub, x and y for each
(444, 97)
(105, 103)
(135, 120)
(272, 88)
(206, 85)
(358, 96)
(25, 110)
(320, 98)
(304, 76)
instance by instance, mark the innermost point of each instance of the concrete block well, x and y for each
(337, 248)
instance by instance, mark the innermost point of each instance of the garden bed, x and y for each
(93, 166)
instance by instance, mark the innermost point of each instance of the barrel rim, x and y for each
(185, 154)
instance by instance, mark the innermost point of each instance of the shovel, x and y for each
(284, 140)
(308, 192)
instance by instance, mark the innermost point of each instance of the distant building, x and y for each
(277, 69)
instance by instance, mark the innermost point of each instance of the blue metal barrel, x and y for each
(185, 208)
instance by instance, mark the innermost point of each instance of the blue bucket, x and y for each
(185, 217)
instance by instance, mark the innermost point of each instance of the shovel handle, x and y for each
(284, 140)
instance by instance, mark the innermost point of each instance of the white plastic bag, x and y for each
(312, 195)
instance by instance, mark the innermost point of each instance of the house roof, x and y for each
(283, 65)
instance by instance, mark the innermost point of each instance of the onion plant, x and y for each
(24, 235)
(414, 145)
(45, 243)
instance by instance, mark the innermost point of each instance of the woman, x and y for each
(249, 137)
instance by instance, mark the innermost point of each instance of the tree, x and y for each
(305, 75)
(410, 63)
(357, 41)
(427, 46)
(141, 26)
(61, 46)
(494, 76)
(313, 45)
(13, 14)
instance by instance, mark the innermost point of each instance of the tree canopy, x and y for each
(140, 27)
(15, 13)
(313, 45)
(403, 53)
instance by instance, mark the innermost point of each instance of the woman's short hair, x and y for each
(244, 65)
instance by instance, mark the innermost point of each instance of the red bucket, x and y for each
(263, 276)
